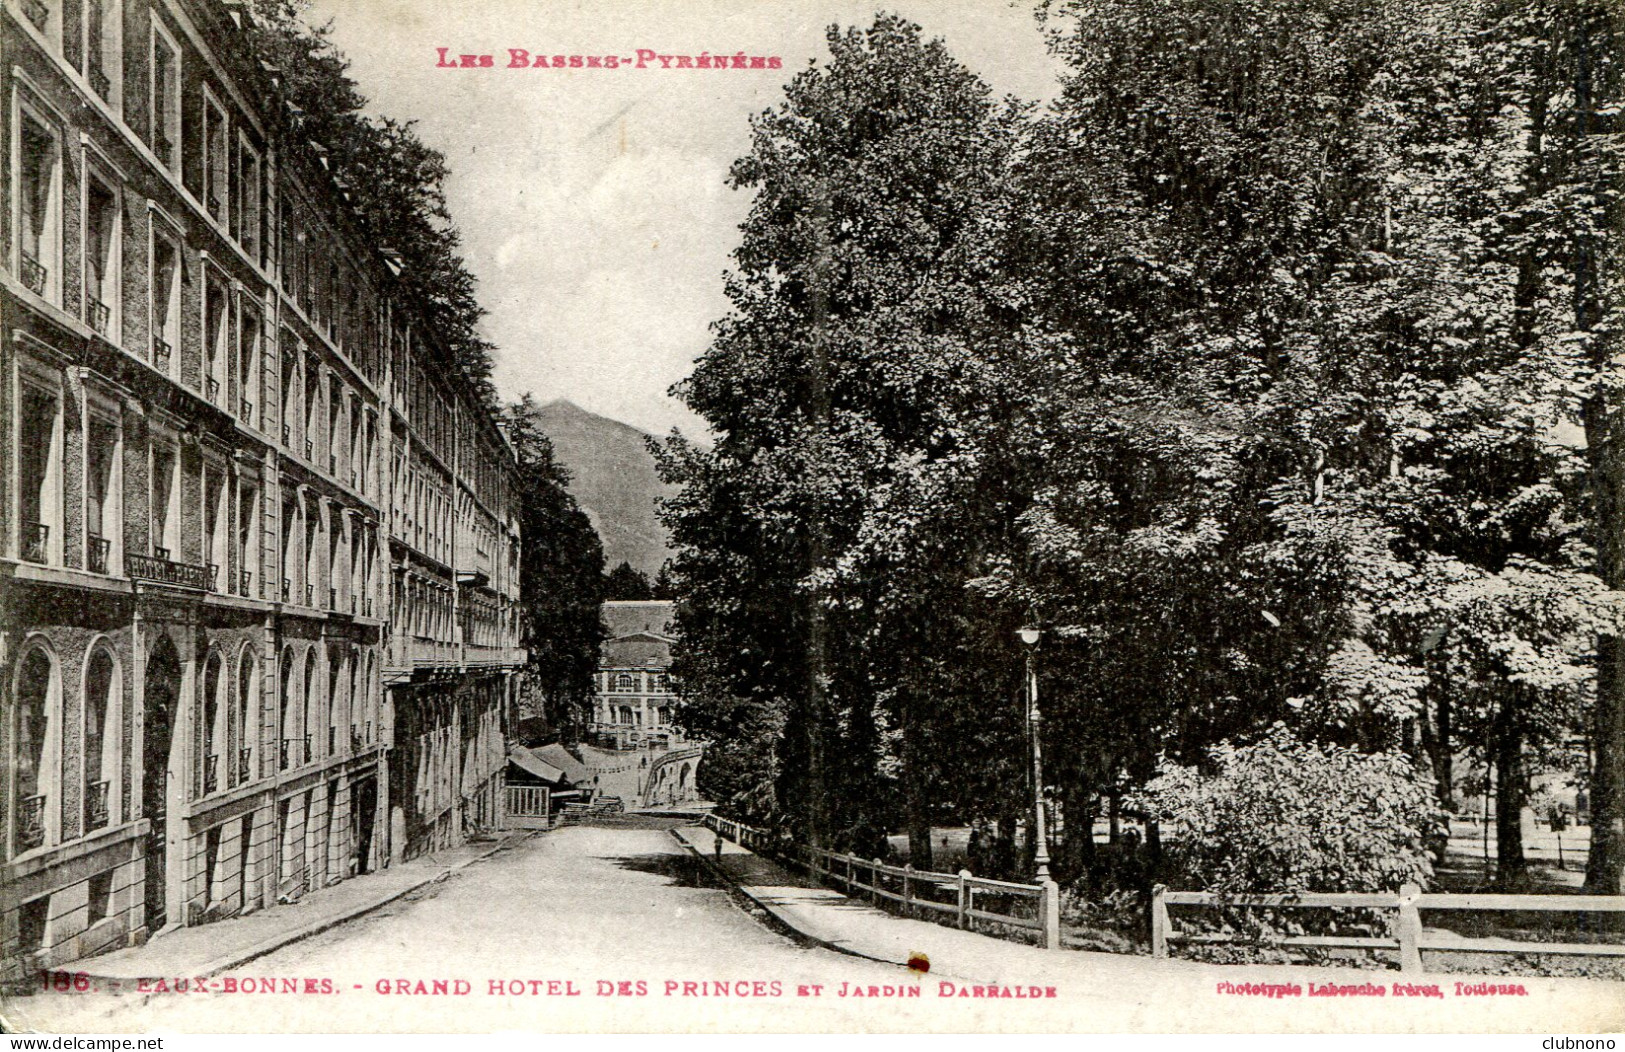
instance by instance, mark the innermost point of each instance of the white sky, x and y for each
(592, 202)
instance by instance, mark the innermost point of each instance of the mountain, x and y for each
(613, 478)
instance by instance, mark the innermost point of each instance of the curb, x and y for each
(286, 938)
(772, 910)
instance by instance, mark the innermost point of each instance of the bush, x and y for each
(1285, 815)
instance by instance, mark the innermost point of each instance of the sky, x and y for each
(592, 202)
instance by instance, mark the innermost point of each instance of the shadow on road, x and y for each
(684, 870)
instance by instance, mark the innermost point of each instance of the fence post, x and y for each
(849, 874)
(1051, 902)
(1159, 921)
(908, 871)
(874, 882)
(964, 903)
(1408, 927)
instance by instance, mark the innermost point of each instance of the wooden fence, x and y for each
(1408, 938)
(959, 899)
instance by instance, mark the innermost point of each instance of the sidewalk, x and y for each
(1143, 993)
(213, 948)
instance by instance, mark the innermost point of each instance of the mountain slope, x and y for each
(612, 477)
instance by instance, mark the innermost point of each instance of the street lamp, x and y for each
(1029, 636)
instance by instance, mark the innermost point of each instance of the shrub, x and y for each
(1285, 815)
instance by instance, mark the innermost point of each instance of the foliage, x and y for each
(626, 582)
(1285, 815)
(561, 580)
(396, 181)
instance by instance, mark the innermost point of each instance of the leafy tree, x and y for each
(395, 181)
(627, 582)
(561, 580)
(1284, 815)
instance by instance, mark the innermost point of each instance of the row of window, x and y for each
(638, 683)
(311, 714)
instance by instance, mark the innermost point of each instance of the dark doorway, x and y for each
(163, 686)
(363, 812)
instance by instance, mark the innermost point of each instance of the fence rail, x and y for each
(948, 898)
(1408, 937)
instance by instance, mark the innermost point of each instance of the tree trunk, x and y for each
(1078, 845)
(916, 785)
(1511, 867)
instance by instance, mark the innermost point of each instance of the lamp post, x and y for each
(1029, 636)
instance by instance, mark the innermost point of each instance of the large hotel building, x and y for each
(258, 554)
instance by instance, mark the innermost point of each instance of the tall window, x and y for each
(216, 159)
(214, 732)
(246, 218)
(39, 470)
(102, 51)
(101, 744)
(216, 333)
(248, 543)
(166, 302)
(165, 494)
(103, 513)
(33, 736)
(285, 706)
(249, 333)
(244, 720)
(217, 522)
(102, 263)
(39, 208)
(165, 100)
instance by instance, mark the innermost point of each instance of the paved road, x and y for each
(559, 922)
(575, 908)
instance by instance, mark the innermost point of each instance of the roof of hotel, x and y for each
(624, 618)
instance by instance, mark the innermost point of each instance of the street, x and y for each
(622, 929)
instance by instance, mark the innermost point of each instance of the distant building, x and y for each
(636, 695)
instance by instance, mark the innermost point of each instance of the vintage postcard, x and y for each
(715, 516)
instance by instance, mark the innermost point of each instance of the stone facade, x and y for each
(258, 561)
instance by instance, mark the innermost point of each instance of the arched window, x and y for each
(335, 699)
(214, 724)
(284, 712)
(301, 734)
(101, 764)
(247, 721)
(34, 735)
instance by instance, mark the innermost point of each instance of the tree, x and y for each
(561, 579)
(849, 360)
(395, 181)
(625, 582)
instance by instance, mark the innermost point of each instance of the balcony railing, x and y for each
(310, 595)
(159, 568)
(369, 606)
(332, 740)
(96, 554)
(248, 410)
(287, 435)
(34, 275)
(245, 766)
(36, 541)
(212, 388)
(245, 582)
(31, 823)
(333, 464)
(37, 13)
(287, 590)
(211, 774)
(332, 598)
(355, 738)
(160, 352)
(214, 205)
(100, 84)
(310, 450)
(354, 602)
(96, 804)
(101, 316)
(295, 751)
